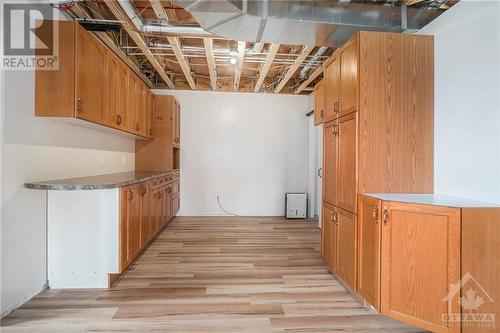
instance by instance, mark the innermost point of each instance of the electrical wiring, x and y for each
(225, 211)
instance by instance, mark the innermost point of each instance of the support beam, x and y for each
(186, 69)
(239, 65)
(114, 7)
(175, 43)
(300, 59)
(209, 51)
(108, 41)
(264, 69)
(311, 77)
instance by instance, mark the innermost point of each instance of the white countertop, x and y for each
(433, 199)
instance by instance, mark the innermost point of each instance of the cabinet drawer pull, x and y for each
(137, 126)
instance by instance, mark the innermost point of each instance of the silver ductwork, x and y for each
(160, 27)
(303, 22)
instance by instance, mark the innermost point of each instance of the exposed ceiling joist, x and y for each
(209, 51)
(186, 69)
(273, 49)
(175, 43)
(159, 10)
(108, 41)
(303, 55)
(311, 77)
(239, 65)
(139, 41)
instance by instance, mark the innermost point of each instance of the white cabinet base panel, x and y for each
(82, 241)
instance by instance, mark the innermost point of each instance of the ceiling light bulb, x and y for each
(233, 61)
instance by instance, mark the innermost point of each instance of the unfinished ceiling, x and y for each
(177, 45)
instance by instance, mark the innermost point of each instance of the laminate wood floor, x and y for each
(213, 275)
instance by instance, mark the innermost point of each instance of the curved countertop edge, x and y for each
(98, 182)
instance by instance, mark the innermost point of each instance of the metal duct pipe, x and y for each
(317, 55)
(165, 29)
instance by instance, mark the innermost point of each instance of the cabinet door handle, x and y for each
(385, 216)
(79, 105)
(151, 131)
(130, 195)
(334, 219)
(137, 126)
(321, 114)
(335, 130)
(118, 120)
(375, 215)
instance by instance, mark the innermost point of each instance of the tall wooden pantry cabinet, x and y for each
(378, 133)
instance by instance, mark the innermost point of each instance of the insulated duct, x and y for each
(304, 22)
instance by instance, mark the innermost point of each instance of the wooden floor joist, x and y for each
(300, 59)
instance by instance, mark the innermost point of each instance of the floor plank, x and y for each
(210, 274)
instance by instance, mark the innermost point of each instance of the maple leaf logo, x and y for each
(471, 301)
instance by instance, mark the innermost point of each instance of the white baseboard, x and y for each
(21, 303)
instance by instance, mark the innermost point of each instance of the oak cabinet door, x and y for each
(330, 167)
(349, 83)
(319, 102)
(131, 105)
(90, 63)
(134, 211)
(346, 192)
(368, 266)
(420, 260)
(176, 124)
(346, 247)
(329, 238)
(145, 214)
(114, 93)
(332, 89)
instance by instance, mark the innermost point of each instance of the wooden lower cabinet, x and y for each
(339, 243)
(427, 258)
(420, 260)
(145, 208)
(346, 247)
(368, 247)
(329, 237)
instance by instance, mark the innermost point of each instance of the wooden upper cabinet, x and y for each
(349, 82)
(91, 84)
(420, 260)
(319, 102)
(346, 191)
(55, 90)
(332, 89)
(112, 104)
(176, 123)
(346, 245)
(368, 246)
(90, 62)
(151, 115)
(330, 165)
(329, 237)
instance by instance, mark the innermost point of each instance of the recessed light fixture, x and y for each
(233, 60)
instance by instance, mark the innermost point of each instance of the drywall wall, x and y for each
(39, 149)
(467, 100)
(249, 149)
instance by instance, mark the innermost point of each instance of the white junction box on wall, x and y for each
(296, 205)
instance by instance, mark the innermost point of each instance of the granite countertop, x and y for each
(433, 199)
(100, 182)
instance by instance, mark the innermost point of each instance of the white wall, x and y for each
(467, 100)
(247, 148)
(35, 149)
